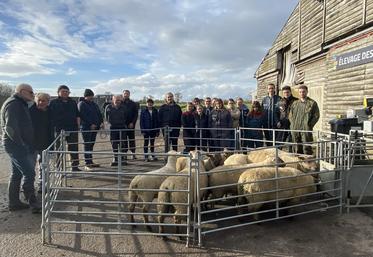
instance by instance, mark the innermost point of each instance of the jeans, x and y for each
(118, 140)
(89, 138)
(130, 134)
(148, 139)
(23, 166)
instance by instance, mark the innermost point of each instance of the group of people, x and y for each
(31, 121)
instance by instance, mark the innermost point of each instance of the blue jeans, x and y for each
(23, 166)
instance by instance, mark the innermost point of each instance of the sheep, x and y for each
(251, 183)
(304, 163)
(237, 159)
(147, 181)
(229, 175)
(170, 196)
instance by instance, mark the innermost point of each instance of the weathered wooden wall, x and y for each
(345, 89)
(311, 27)
(335, 91)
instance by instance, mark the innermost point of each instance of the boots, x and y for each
(34, 203)
(13, 192)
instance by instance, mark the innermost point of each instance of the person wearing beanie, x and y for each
(91, 121)
(65, 116)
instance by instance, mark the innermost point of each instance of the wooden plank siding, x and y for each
(369, 11)
(311, 31)
(334, 90)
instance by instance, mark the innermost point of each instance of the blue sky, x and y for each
(197, 48)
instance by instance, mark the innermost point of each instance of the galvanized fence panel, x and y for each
(96, 202)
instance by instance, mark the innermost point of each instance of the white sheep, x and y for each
(254, 183)
(169, 196)
(149, 181)
(305, 163)
(237, 159)
(229, 175)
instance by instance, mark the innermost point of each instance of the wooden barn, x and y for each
(328, 46)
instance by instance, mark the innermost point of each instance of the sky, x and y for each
(197, 48)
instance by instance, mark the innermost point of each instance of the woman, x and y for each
(189, 128)
(220, 124)
(202, 123)
(149, 127)
(255, 119)
(235, 114)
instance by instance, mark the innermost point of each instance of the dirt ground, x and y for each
(317, 234)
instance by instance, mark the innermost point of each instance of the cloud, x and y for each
(195, 47)
(70, 72)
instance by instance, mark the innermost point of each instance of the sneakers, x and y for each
(146, 159)
(88, 168)
(155, 158)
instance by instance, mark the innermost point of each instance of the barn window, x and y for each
(285, 67)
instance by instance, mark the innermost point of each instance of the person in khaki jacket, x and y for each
(304, 114)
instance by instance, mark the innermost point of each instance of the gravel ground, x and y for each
(317, 234)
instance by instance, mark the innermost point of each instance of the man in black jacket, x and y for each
(284, 123)
(132, 110)
(65, 116)
(170, 116)
(117, 116)
(18, 140)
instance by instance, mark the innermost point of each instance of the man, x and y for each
(196, 101)
(283, 123)
(18, 139)
(208, 106)
(91, 121)
(270, 105)
(244, 111)
(117, 116)
(65, 116)
(43, 135)
(169, 115)
(133, 112)
(304, 114)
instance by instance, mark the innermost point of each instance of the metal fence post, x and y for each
(198, 195)
(237, 139)
(44, 168)
(273, 137)
(277, 185)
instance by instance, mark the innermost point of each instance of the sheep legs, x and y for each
(145, 217)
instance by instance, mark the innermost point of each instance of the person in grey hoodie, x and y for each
(18, 139)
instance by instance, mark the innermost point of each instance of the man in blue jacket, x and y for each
(271, 108)
(91, 121)
(18, 139)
